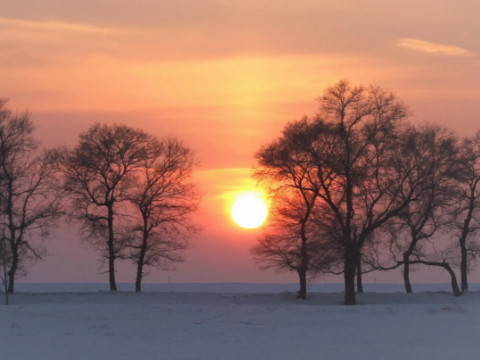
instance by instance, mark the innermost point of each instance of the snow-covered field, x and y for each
(237, 321)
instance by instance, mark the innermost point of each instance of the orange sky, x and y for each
(225, 76)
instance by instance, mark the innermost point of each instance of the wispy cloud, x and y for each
(432, 48)
(55, 26)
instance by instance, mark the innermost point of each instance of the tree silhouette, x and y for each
(351, 150)
(465, 211)
(98, 172)
(431, 153)
(27, 193)
(163, 199)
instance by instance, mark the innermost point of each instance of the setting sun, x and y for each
(249, 211)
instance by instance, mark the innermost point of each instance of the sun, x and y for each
(249, 210)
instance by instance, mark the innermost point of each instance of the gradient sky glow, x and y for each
(225, 76)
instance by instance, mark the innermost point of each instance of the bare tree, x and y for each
(27, 192)
(163, 198)
(351, 149)
(98, 173)
(431, 152)
(465, 211)
(293, 241)
(4, 263)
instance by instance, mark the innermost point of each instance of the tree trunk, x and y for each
(464, 266)
(5, 282)
(350, 265)
(12, 272)
(6, 294)
(140, 264)
(359, 276)
(111, 252)
(138, 281)
(406, 274)
(463, 240)
(302, 292)
(111, 267)
(446, 266)
(453, 278)
(143, 252)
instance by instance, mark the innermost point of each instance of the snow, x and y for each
(237, 321)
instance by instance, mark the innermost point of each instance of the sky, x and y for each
(225, 76)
